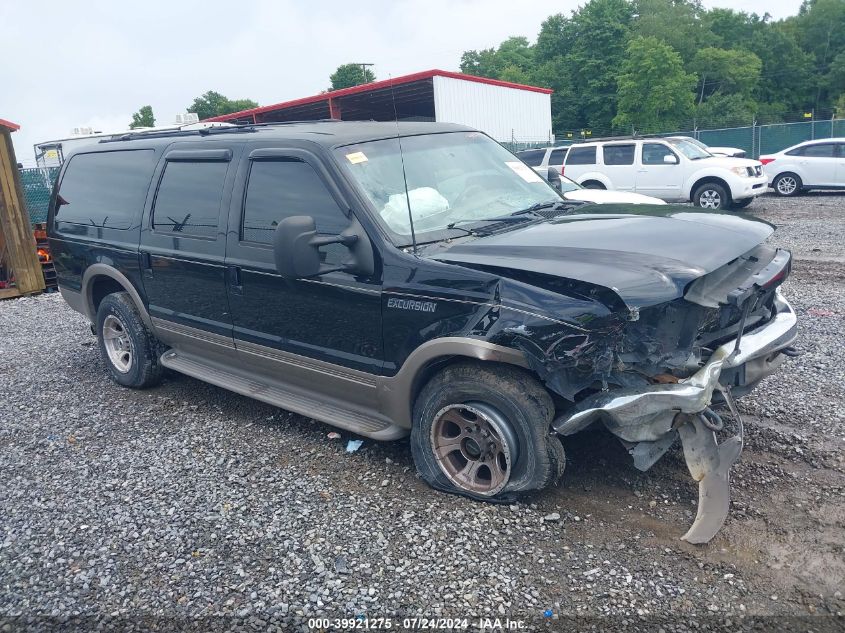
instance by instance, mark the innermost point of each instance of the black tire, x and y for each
(787, 184)
(741, 204)
(522, 403)
(593, 184)
(142, 368)
(712, 196)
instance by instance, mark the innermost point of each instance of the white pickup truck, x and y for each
(671, 169)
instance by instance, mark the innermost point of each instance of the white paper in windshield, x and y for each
(357, 157)
(524, 171)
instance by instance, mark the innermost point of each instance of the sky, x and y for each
(92, 64)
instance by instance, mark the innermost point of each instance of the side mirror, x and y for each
(296, 248)
(670, 159)
(553, 177)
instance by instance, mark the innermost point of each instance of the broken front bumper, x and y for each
(648, 419)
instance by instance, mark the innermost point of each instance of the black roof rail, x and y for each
(626, 137)
(219, 129)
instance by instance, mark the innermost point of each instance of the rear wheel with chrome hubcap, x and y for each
(129, 349)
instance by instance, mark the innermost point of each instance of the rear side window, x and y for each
(653, 153)
(557, 156)
(105, 189)
(188, 198)
(819, 150)
(278, 189)
(619, 154)
(582, 156)
(532, 157)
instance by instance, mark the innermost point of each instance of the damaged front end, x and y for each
(650, 419)
(653, 375)
(643, 320)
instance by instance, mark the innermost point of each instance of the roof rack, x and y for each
(220, 127)
(624, 137)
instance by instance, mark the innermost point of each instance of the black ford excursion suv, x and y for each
(419, 279)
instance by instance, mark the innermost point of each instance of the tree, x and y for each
(513, 60)
(721, 110)
(213, 104)
(788, 81)
(726, 71)
(728, 27)
(143, 118)
(677, 23)
(588, 49)
(348, 75)
(551, 41)
(820, 28)
(839, 107)
(655, 92)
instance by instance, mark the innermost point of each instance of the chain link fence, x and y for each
(37, 184)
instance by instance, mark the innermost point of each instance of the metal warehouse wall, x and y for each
(506, 114)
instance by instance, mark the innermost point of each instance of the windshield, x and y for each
(457, 177)
(695, 142)
(688, 149)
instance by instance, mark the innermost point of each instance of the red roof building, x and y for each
(506, 111)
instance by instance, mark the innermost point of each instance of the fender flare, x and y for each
(104, 270)
(598, 177)
(397, 392)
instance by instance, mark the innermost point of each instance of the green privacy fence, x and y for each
(766, 139)
(754, 139)
(37, 184)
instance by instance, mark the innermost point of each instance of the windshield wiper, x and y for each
(518, 216)
(501, 219)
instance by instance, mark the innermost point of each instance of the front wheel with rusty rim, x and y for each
(483, 431)
(474, 447)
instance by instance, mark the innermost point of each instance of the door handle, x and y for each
(235, 282)
(146, 263)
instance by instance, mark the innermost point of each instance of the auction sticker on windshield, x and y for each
(524, 171)
(357, 157)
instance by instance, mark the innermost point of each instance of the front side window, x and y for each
(279, 189)
(582, 156)
(456, 177)
(105, 189)
(654, 153)
(619, 154)
(188, 198)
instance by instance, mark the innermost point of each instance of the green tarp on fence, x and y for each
(37, 185)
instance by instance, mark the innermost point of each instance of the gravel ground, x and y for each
(191, 506)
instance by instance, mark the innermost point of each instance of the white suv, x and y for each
(816, 164)
(541, 158)
(674, 170)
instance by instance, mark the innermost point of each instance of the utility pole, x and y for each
(363, 68)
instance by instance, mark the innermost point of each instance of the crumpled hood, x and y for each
(645, 254)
